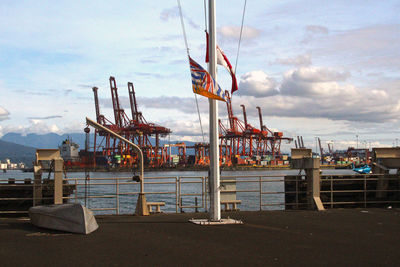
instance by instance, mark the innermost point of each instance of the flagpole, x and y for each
(214, 176)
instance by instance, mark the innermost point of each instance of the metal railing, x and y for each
(118, 195)
(250, 189)
(11, 203)
(360, 190)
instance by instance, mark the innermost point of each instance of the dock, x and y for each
(337, 237)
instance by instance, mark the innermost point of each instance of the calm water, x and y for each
(166, 192)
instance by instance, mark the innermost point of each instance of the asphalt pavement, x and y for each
(337, 237)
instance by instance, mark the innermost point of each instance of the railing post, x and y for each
(117, 194)
(297, 191)
(365, 191)
(37, 186)
(331, 191)
(260, 186)
(177, 179)
(58, 181)
(206, 193)
(76, 190)
(179, 195)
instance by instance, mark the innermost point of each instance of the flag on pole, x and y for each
(223, 60)
(203, 84)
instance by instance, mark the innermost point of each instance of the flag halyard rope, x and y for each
(240, 35)
(187, 51)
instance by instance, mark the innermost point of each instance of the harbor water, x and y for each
(102, 191)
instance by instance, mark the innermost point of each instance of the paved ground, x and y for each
(353, 237)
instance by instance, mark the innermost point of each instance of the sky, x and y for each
(327, 69)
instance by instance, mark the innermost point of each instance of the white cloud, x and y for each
(318, 74)
(317, 92)
(315, 81)
(3, 114)
(184, 104)
(34, 126)
(233, 32)
(300, 60)
(312, 92)
(188, 130)
(373, 47)
(257, 83)
(40, 127)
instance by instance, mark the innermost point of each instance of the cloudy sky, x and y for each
(316, 68)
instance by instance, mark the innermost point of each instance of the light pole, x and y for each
(357, 140)
(316, 146)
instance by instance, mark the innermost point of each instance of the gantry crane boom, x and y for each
(244, 116)
(132, 100)
(96, 105)
(230, 111)
(121, 120)
(320, 147)
(262, 127)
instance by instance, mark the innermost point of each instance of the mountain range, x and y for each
(50, 140)
(17, 153)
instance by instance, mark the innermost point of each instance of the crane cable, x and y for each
(187, 51)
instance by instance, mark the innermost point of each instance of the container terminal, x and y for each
(354, 216)
(241, 145)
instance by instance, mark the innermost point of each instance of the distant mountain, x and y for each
(50, 140)
(17, 153)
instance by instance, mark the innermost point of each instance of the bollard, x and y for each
(195, 203)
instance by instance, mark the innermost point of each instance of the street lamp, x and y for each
(357, 140)
(316, 146)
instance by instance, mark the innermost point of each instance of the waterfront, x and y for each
(162, 187)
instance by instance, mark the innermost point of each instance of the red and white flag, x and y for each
(223, 60)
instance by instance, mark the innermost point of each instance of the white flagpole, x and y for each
(215, 209)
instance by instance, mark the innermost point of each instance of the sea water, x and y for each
(102, 192)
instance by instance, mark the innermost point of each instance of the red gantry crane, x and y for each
(243, 143)
(137, 130)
